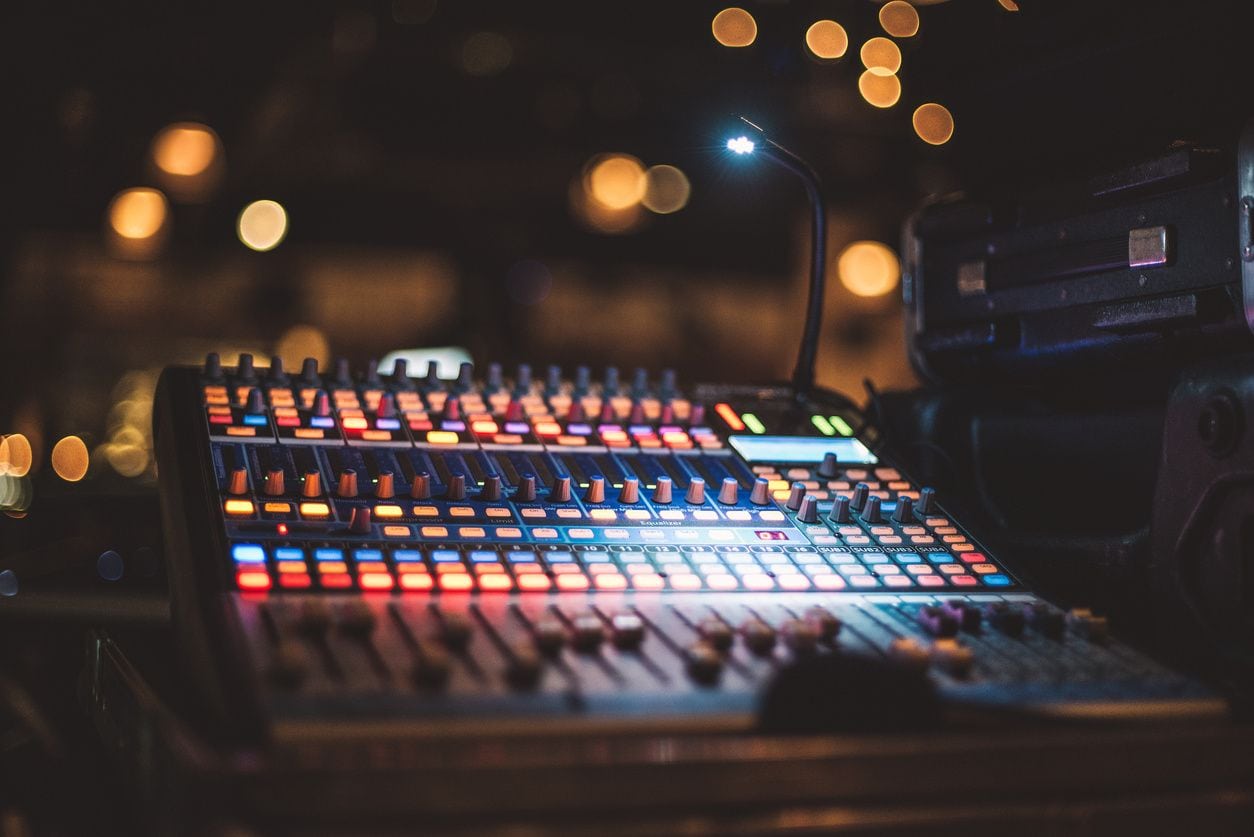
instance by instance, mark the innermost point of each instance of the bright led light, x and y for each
(262, 225)
(741, 145)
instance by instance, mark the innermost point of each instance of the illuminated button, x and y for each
(919, 569)
(572, 582)
(434, 532)
(771, 516)
(793, 581)
(997, 580)
(548, 428)
(497, 511)
(241, 431)
(636, 514)
(508, 532)
(416, 581)
(456, 581)
(239, 507)
(296, 581)
(931, 580)
(534, 514)
(442, 437)
(375, 581)
(983, 569)
(253, 580)
(484, 427)
(581, 534)
(338, 580)
(616, 534)
(395, 531)
(647, 581)
(315, 510)
(544, 533)
(739, 515)
(705, 514)
(495, 581)
(898, 581)
(426, 511)
(601, 514)
(570, 514)
(686, 581)
(831, 582)
(533, 582)
(461, 511)
(472, 532)
(277, 508)
(248, 553)
(757, 581)
(388, 511)
(610, 581)
(722, 581)
(952, 569)
(671, 514)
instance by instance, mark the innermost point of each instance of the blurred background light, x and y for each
(8, 583)
(486, 54)
(666, 189)
(70, 459)
(881, 56)
(616, 181)
(880, 91)
(1009, 5)
(827, 39)
(187, 160)
(262, 225)
(138, 214)
(300, 342)
(734, 27)
(109, 566)
(16, 455)
(868, 268)
(933, 123)
(899, 19)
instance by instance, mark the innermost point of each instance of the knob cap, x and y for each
(321, 404)
(309, 372)
(432, 669)
(348, 483)
(705, 664)
(526, 492)
(825, 622)
(387, 406)
(696, 491)
(313, 484)
(456, 487)
(596, 490)
(809, 511)
(795, 496)
(640, 382)
(465, 377)
(254, 403)
(904, 513)
(637, 414)
(829, 467)
(560, 492)
(697, 417)
(627, 631)
(514, 410)
(550, 635)
(729, 492)
(927, 501)
(668, 414)
(274, 482)
(496, 380)
(840, 511)
(610, 388)
(667, 387)
(343, 374)
(453, 409)
(372, 374)
(525, 668)
(630, 492)
(385, 489)
(759, 637)
(455, 632)
(277, 375)
(432, 379)
(716, 633)
(761, 493)
(359, 521)
(801, 636)
(583, 380)
(491, 490)
(213, 366)
(553, 379)
(575, 413)
(858, 500)
(244, 369)
(400, 373)
(607, 413)
(587, 633)
(420, 488)
(871, 511)
(238, 482)
(522, 380)
(662, 491)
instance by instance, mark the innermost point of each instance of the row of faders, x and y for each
(576, 550)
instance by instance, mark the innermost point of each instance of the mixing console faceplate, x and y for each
(619, 551)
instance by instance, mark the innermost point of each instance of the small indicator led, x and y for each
(729, 415)
(822, 425)
(753, 422)
(842, 426)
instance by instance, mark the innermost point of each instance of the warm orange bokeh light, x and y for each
(933, 123)
(868, 268)
(734, 27)
(880, 91)
(827, 39)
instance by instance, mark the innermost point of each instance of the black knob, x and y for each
(667, 387)
(927, 501)
(829, 467)
(432, 669)
(583, 380)
(290, 664)
(871, 511)
(587, 633)
(420, 488)
(761, 493)
(611, 381)
(560, 492)
(465, 377)
(400, 374)
(553, 380)
(840, 511)
(860, 492)
(627, 631)
(357, 618)
(277, 376)
(244, 368)
(759, 637)
(795, 496)
(809, 511)
(705, 664)
(213, 366)
(550, 635)
(491, 491)
(255, 403)
(496, 381)
(456, 489)
(343, 373)
(825, 622)
(432, 379)
(455, 632)
(372, 374)
(526, 492)
(522, 380)
(309, 372)
(801, 636)
(904, 513)
(525, 668)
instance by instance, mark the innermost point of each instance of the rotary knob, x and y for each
(829, 467)
(696, 492)
(348, 483)
(313, 484)
(238, 482)
(596, 490)
(359, 521)
(729, 493)
(759, 637)
(795, 495)
(904, 513)
(274, 482)
(927, 501)
(716, 633)
(420, 487)
(385, 488)
(840, 511)
(456, 487)
(761, 493)
(587, 633)
(630, 492)
(662, 492)
(809, 511)
(560, 492)
(491, 491)
(860, 493)
(871, 511)
(526, 492)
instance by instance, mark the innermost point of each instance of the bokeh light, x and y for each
(1009, 5)
(868, 268)
(109, 566)
(16, 455)
(8, 583)
(933, 123)
(138, 214)
(616, 181)
(185, 148)
(528, 282)
(596, 216)
(666, 190)
(880, 91)
(486, 54)
(881, 56)
(899, 19)
(300, 342)
(734, 27)
(262, 225)
(70, 459)
(127, 460)
(827, 39)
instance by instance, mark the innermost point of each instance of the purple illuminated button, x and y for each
(457, 426)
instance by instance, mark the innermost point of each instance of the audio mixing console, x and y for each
(418, 556)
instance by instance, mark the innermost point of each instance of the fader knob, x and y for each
(372, 374)
(321, 404)
(860, 493)
(761, 493)
(456, 487)
(1004, 617)
(244, 369)
(514, 411)
(309, 372)
(795, 496)
(667, 387)
(254, 403)
(583, 380)
(627, 631)
(359, 521)
(420, 488)
(432, 669)
(801, 636)
(491, 491)
(759, 637)
(871, 511)
(829, 467)
(238, 483)
(729, 493)
(277, 375)
(596, 490)
(314, 618)
(312, 486)
(668, 414)
(825, 622)
(662, 491)
(640, 382)
(560, 492)
(550, 635)
(952, 657)
(575, 413)
(610, 387)
(587, 633)
(630, 492)
(526, 492)
(357, 618)
(904, 513)
(696, 492)
(385, 488)
(290, 664)
(348, 483)
(716, 633)
(496, 380)
(809, 511)
(607, 413)
(525, 668)
(274, 482)
(908, 653)
(213, 366)
(927, 501)
(465, 377)
(705, 664)
(453, 409)
(840, 511)
(387, 406)
(455, 632)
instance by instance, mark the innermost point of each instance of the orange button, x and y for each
(507, 439)
(416, 581)
(375, 581)
(278, 508)
(396, 531)
(291, 566)
(685, 581)
(354, 423)
(572, 582)
(486, 428)
(239, 506)
(442, 437)
(253, 580)
(296, 580)
(647, 581)
(495, 582)
(241, 431)
(336, 580)
(456, 581)
(315, 510)
(533, 582)
(387, 511)
(572, 441)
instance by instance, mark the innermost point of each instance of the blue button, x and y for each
(289, 553)
(248, 553)
(939, 557)
(519, 557)
(997, 580)
(368, 554)
(387, 424)
(254, 419)
(595, 557)
(874, 558)
(907, 558)
(558, 557)
(479, 556)
(326, 554)
(321, 421)
(406, 555)
(444, 556)
(833, 558)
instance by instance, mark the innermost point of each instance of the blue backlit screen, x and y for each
(801, 449)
